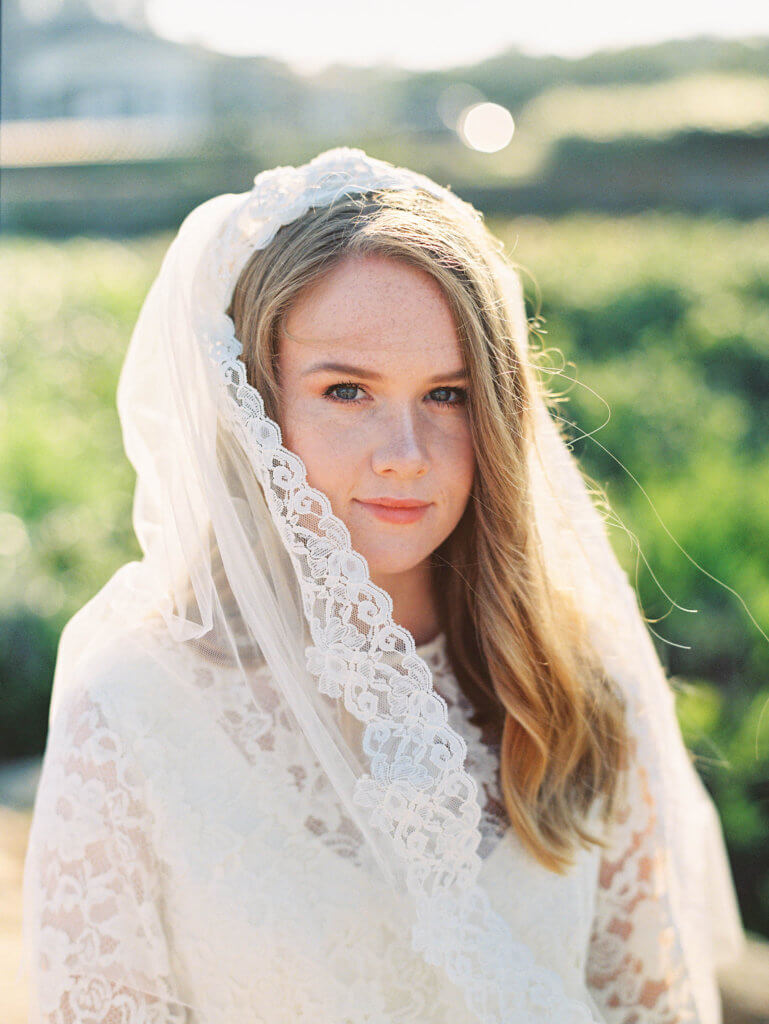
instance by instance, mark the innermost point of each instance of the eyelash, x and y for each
(460, 392)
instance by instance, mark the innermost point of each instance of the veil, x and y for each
(244, 564)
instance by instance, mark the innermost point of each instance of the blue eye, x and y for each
(344, 392)
(460, 393)
(346, 388)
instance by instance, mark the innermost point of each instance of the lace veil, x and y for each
(244, 563)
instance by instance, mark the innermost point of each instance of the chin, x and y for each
(391, 561)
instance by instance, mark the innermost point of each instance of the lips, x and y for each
(396, 502)
(396, 510)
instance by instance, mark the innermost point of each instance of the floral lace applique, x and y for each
(94, 883)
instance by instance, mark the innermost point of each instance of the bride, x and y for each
(374, 732)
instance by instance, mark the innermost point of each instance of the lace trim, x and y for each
(418, 790)
(483, 747)
(258, 727)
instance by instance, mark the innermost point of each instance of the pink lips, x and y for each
(396, 510)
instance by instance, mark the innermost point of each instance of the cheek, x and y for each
(455, 463)
(330, 453)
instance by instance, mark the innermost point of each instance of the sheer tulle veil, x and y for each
(245, 560)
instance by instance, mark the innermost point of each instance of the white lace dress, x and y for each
(163, 830)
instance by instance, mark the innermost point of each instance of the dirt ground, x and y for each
(14, 828)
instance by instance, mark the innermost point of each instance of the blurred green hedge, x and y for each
(664, 317)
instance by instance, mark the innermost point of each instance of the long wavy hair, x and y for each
(518, 647)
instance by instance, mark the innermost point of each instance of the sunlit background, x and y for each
(623, 159)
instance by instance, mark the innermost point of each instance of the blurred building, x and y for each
(106, 125)
(72, 64)
(65, 62)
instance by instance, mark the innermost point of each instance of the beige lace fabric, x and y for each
(210, 845)
(143, 817)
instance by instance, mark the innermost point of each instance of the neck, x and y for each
(414, 604)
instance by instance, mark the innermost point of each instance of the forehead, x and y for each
(376, 308)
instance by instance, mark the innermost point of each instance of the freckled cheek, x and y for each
(331, 453)
(454, 463)
(468, 470)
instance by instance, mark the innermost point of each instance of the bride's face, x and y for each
(373, 399)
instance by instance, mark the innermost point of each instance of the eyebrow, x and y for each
(364, 374)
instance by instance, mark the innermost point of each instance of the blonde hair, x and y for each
(518, 647)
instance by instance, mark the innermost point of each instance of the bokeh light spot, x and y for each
(486, 127)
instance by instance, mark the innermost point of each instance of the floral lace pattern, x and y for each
(482, 760)
(636, 968)
(101, 798)
(256, 729)
(96, 820)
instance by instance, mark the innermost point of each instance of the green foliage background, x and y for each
(663, 316)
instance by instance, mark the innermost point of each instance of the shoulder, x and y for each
(119, 736)
(121, 680)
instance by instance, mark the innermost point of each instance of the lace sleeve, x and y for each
(95, 950)
(637, 969)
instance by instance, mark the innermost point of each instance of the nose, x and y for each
(400, 450)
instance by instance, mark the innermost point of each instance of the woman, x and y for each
(374, 731)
